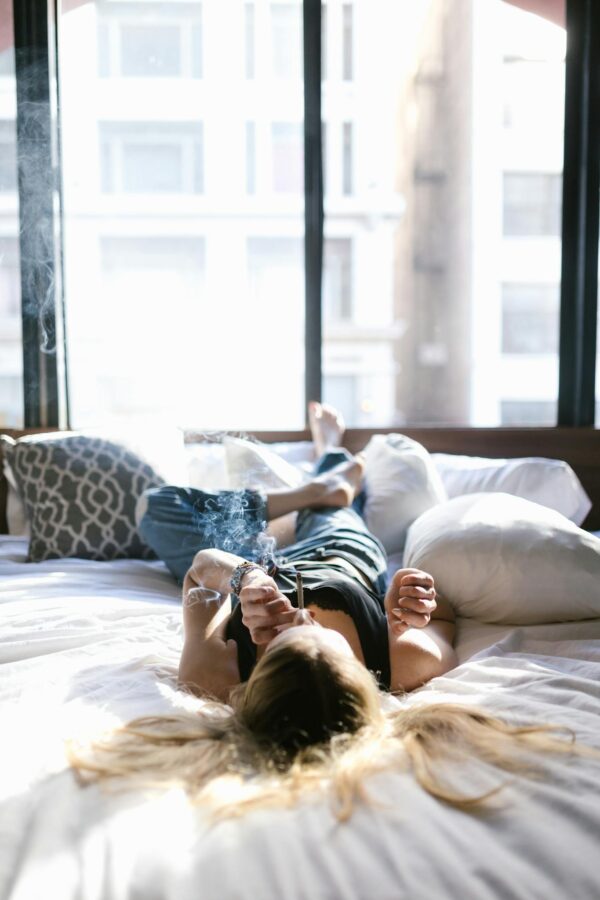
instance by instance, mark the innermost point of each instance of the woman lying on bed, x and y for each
(305, 705)
(402, 635)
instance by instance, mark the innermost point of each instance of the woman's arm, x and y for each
(208, 661)
(420, 629)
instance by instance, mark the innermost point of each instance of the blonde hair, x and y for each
(309, 717)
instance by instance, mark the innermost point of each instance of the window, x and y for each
(288, 166)
(532, 204)
(149, 40)
(342, 392)
(150, 157)
(146, 286)
(184, 212)
(347, 42)
(337, 280)
(250, 157)
(347, 158)
(286, 40)
(249, 39)
(530, 318)
(11, 352)
(517, 413)
(444, 183)
(8, 156)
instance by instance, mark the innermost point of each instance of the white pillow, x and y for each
(501, 559)
(550, 482)
(254, 465)
(402, 482)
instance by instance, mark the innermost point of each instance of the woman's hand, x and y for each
(264, 607)
(410, 600)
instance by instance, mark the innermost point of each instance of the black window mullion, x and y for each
(37, 221)
(579, 277)
(313, 198)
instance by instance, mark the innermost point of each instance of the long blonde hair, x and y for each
(309, 716)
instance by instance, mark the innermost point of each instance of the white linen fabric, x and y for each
(502, 559)
(251, 464)
(401, 483)
(551, 482)
(86, 645)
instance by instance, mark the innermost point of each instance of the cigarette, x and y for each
(299, 590)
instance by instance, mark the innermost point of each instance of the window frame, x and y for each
(42, 301)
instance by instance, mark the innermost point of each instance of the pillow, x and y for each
(80, 494)
(207, 463)
(501, 559)
(550, 482)
(401, 483)
(255, 465)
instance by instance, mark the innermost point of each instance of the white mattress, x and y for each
(87, 644)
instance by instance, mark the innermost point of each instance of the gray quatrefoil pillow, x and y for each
(80, 494)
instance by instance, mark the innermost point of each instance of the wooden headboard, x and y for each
(580, 447)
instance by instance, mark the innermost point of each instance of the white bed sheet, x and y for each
(84, 644)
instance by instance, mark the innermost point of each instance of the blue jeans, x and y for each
(181, 521)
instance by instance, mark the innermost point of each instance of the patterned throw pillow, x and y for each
(80, 494)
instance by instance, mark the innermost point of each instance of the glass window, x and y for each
(11, 352)
(448, 141)
(532, 203)
(149, 39)
(347, 42)
(288, 157)
(323, 41)
(337, 280)
(8, 156)
(150, 50)
(517, 413)
(250, 157)
(347, 158)
(286, 41)
(184, 224)
(149, 157)
(342, 392)
(530, 318)
(249, 39)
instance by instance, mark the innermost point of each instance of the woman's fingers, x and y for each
(408, 617)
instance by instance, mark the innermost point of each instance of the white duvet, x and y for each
(87, 644)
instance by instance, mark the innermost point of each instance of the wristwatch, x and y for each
(235, 582)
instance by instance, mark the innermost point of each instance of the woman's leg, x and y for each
(178, 522)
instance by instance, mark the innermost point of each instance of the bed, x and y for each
(86, 644)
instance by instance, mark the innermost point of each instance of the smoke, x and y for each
(235, 520)
(37, 156)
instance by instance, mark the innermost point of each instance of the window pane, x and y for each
(148, 39)
(347, 39)
(288, 156)
(249, 38)
(286, 41)
(337, 280)
(184, 217)
(150, 50)
(445, 123)
(530, 318)
(11, 354)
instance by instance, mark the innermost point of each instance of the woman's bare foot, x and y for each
(339, 486)
(326, 425)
